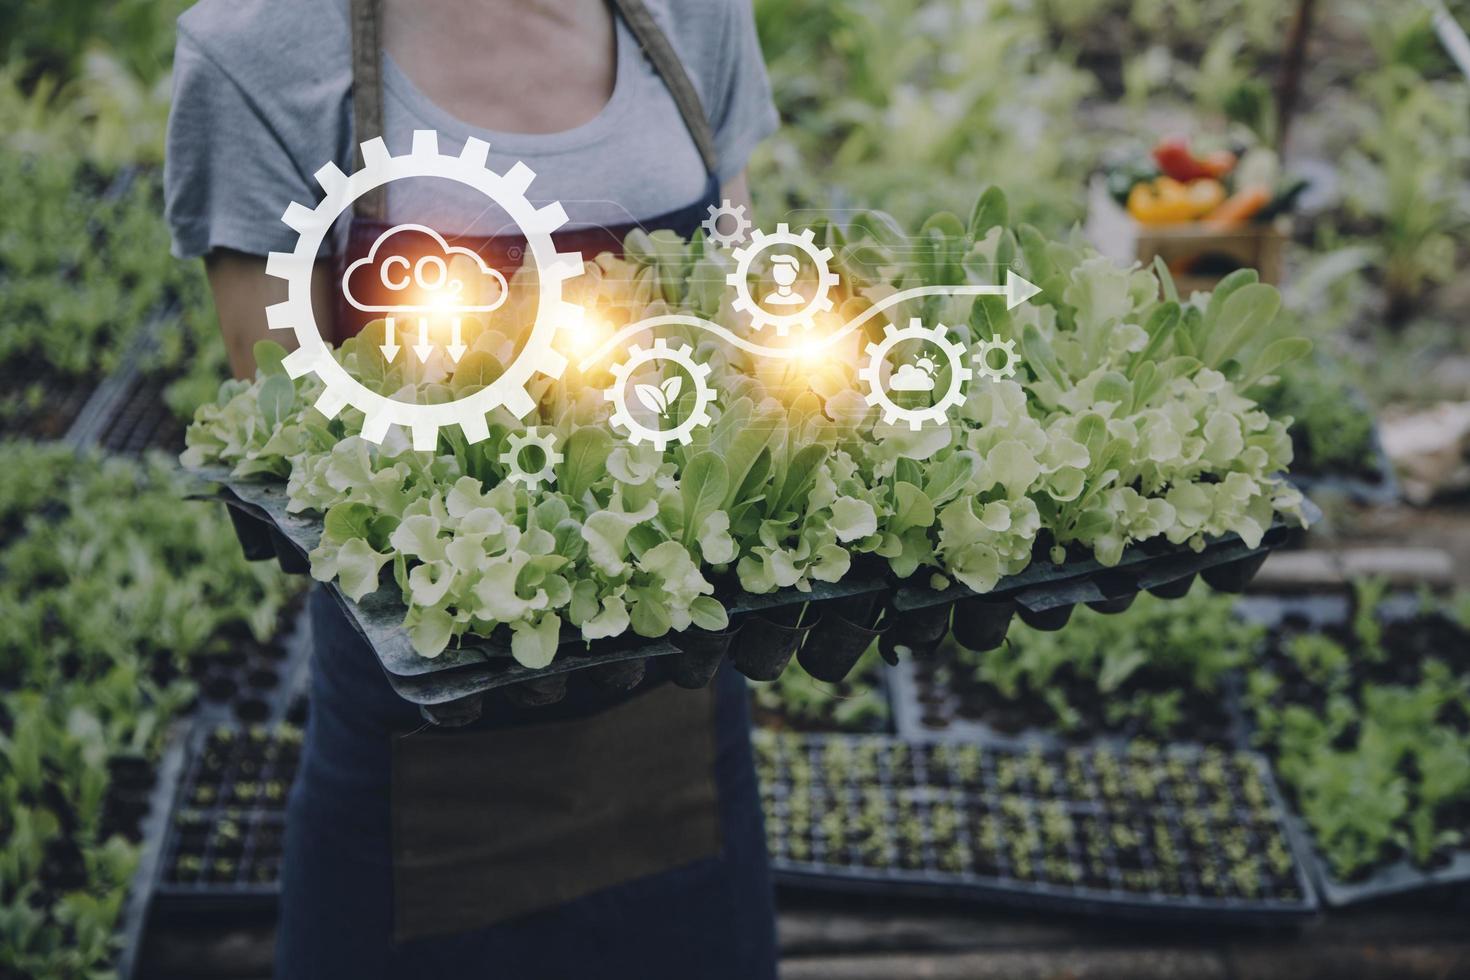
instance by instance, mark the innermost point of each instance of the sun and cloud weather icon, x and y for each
(918, 376)
(412, 271)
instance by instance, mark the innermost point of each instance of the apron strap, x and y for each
(660, 52)
(367, 86)
(367, 96)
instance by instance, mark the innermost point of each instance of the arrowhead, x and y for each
(1018, 290)
(423, 351)
(456, 351)
(390, 351)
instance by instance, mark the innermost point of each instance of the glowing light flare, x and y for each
(582, 332)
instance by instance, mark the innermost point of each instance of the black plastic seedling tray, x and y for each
(221, 849)
(255, 683)
(139, 904)
(922, 708)
(1393, 878)
(63, 400)
(893, 818)
(140, 421)
(60, 402)
(828, 627)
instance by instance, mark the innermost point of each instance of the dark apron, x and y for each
(612, 837)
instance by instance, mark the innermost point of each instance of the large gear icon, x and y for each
(733, 212)
(954, 355)
(982, 359)
(660, 351)
(783, 322)
(517, 443)
(313, 355)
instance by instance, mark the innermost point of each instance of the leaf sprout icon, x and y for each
(659, 398)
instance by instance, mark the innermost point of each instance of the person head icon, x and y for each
(783, 269)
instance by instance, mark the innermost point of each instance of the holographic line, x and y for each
(1016, 289)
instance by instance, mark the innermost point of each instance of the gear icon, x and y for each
(954, 356)
(804, 314)
(735, 213)
(982, 359)
(519, 442)
(313, 355)
(698, 373)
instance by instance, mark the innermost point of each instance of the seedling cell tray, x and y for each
(154, 825)
(221, 849)
(140, 421)
(922, 708)
(256, 683)
(1182, 833)
(1400, 875)
(448, 687)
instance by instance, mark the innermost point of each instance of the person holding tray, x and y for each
(609, 835)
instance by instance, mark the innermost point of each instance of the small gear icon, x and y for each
(518, 443)
(954, 356)
(982, 359)
(733, 212)
(802, 316)
(313, 355)
(698, 373)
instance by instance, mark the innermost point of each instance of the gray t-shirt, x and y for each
(262, 99)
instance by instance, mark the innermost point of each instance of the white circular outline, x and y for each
(315, 356)
(761, 318)
(517, 443)
(954, 353)
(617, 394)
(982, 359)
(711, 225)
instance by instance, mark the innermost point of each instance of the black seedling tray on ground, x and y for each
(64, 400)
(255, 683)
(140, 421)
(1114, 837)
(1393, 878)
(830, 625)
(921, 710)
(136, 910)
(61, 402)
(229, 814)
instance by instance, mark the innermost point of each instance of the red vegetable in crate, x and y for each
(1176, 160)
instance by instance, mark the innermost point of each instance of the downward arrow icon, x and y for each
(390, 349)
(455, 346)
(423, 348)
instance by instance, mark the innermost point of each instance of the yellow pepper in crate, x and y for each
(1166, 201)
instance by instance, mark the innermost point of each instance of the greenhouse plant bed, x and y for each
(923, 707)
(255, 682)
(221, 849)
(1089, 829)
(1408, 636)
(797, 702)
(140, 421)
(40, 404)
(448, 686)
(150, 830)
(1376, 486)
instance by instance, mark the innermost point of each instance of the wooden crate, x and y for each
(1185, 247)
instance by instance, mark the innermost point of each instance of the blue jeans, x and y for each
(708, 920)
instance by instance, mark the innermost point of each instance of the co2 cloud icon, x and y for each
(414, 274)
